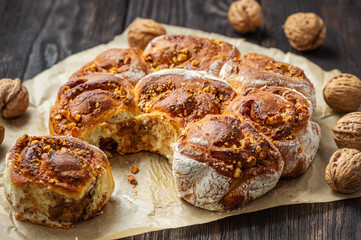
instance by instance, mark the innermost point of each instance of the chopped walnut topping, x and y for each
(237, 173)
(194, 63)
(251, 161)
(134, 169)
(182, 57)
(77, 117)
(132, 179)
(64, 112)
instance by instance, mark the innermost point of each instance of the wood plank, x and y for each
(37, 34)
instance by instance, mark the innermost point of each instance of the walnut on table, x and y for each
(347, 132)
(14, 98)
(305, 31)
(343, 173)
(343, 92)
(141, 32)
(245, 16)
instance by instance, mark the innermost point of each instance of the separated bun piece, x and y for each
(127, 63)
(86, 101)
(183, 95)
(283, 115)
(189, 52)
(56, 181)
(222, 162)
(256, 71)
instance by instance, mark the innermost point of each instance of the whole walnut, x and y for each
(347, 133)
(141, 32)
(245, 16)
(343, 172)
(305, 31)
(14, 98)
(343, 92)
(2, 132)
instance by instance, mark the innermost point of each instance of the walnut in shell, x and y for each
(141, 32)
(2, 133)
(245, 16)
(305, 31)
(343, 92)
(347, 133)
(14, 98)
(343, 172)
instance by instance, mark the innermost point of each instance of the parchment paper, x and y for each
(153, 204)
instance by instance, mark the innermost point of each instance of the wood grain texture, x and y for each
(34, 35)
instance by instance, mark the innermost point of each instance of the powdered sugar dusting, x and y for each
(215, 67)
(310, 139)
(260, 185)
(289, 151)
(187, 74)
(226, 69)
(134, 74)
(301, 85)
(199, 183)
(198, 141)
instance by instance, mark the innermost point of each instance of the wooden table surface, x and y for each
(34, 35)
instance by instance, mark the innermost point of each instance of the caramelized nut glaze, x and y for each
(183, 95)
(86, 101)
(256, 71)
(282, 115)
(128, 63)
(189, 52)
(277, 112)
(231, 146)
(245, 161)
(60, 163)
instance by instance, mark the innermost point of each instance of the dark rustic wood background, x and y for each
(36, 34)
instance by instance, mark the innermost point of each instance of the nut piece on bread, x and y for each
(343, 92)
(143, 31)
(347, 133)
(343, 173)
(245, 16)
(14, 98)
(305, 31)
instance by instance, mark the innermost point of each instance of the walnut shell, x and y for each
(2, 132)
(347, 133)
(245, 16)
(343, 172)
(14, 98)
(305, 31)
(343, 92)
(141, 32)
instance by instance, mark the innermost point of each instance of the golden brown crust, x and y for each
(231, 144)
(86, 101)
(280, 114)
(189, 52)
(236, 141)
(236, 150)
(60, 163)
(277, 112)
(128, 63)
(256, 70)
(183, 95)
